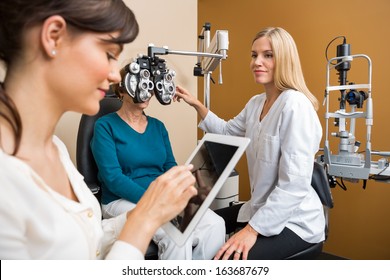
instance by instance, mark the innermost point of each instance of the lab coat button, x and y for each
(97, 253)
(90, 214)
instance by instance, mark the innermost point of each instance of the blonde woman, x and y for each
(284, 214)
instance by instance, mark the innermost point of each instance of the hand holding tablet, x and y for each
(213, 159)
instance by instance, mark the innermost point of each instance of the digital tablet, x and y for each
(214, 158)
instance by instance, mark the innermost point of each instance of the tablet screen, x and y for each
(214, 159)
(209, 163)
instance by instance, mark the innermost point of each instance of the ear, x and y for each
(52, 34)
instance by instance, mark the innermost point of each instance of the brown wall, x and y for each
(360, 222)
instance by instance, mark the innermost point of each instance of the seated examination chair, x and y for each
(320, 183)
(84, 159)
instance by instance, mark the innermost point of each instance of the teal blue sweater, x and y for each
(129, 161)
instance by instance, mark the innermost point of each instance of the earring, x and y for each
(53, 52)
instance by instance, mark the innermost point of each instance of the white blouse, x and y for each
(39, 223)
(280, 163)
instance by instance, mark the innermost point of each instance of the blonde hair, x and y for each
(288, 71)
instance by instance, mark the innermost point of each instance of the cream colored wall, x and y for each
(164, 23)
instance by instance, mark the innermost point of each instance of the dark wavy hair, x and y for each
(102, 16)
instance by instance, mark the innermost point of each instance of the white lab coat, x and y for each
(280, 164)
(39, 223)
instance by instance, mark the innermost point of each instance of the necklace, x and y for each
(267, 105)
(138, 123)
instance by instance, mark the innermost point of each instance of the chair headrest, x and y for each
(84, 159)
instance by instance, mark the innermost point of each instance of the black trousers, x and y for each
(277, 247)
